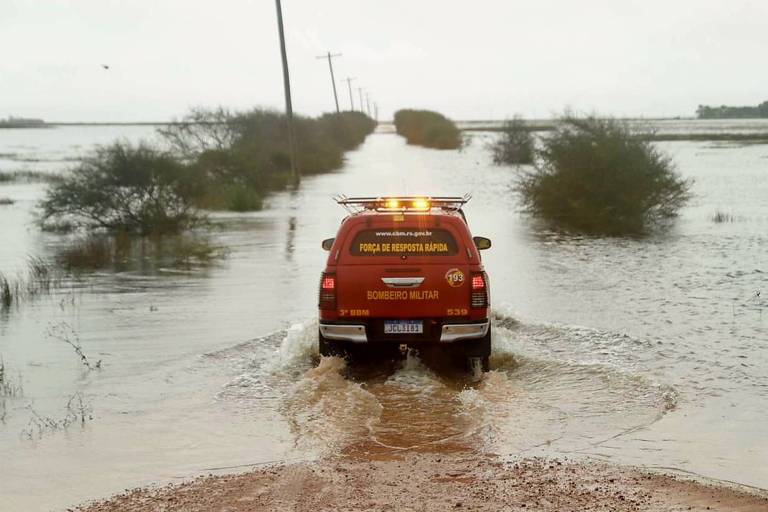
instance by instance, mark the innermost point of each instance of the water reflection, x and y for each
(290, 239)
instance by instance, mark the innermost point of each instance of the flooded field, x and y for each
(650, 352)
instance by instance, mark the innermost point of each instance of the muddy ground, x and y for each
(433, 482)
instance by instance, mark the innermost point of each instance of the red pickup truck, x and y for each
(405, 272)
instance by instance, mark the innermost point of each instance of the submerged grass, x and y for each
(28, 177)
(39, 279)
(123, 252)
(9, 387)
(6, 293)
(89, 253)
(720, 217)
(117, 252)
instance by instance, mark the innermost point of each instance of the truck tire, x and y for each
(480, 348)
(328, 348)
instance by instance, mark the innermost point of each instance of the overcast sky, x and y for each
(476, 59)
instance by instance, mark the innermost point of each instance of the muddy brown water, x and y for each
(650, 352)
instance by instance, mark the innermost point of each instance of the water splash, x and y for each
(327, 410)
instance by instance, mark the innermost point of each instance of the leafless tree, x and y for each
(202, 130)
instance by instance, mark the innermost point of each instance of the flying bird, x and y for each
(105, 66)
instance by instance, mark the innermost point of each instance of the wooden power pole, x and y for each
(349, 85)
(288, 105)
(330, 56)
(360, 93)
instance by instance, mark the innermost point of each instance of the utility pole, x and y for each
(333, 80)
(288, 105)
(368, 101)
(360, 92)
(349, 85)
(376, 112)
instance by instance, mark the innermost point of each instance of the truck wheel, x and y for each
(328, 348)
(480, 348)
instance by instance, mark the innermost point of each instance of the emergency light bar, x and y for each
(402, 203)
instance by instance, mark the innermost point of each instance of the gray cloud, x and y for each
(477, 59)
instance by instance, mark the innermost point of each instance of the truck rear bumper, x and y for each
(344, 332)
(457, 332)
(357, 333)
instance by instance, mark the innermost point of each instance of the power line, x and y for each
(330, 56)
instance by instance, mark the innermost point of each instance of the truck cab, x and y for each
(405, 272)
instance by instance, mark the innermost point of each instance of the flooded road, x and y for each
(647, 351)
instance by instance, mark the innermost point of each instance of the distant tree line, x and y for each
(726, 112)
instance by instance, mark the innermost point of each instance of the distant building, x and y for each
(21, 122)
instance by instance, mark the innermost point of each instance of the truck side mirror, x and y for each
(328, 243)
(481, 242)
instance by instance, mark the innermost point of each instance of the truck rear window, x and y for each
(404, 242)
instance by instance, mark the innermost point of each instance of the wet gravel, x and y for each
(433, 482)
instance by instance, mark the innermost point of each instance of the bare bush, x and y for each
(66, 333)
(77, 411)
(202, 130)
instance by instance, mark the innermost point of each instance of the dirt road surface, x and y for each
(429, 482)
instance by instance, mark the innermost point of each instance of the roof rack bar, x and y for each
(359, 204)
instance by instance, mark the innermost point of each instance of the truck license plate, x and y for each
(403, 327)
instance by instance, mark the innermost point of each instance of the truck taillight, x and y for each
(479, 290)
(327, 298)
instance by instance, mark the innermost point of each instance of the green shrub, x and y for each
(348, 129)
(124, 187)
(215, 159)
(240, 198)
(594, 175)
(244, 156)
(428, 129)
(514, 145)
